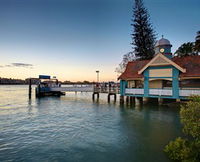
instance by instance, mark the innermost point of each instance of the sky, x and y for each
(71, 39)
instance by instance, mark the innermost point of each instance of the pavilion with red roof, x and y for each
(164, 76)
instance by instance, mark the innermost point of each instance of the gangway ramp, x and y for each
(72, 89)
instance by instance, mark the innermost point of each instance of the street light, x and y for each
(97, 75)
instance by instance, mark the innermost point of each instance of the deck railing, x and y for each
(160, 92)
(135, 91)
(157, 92)
(188, 92)
(102, 89)
(88, 88)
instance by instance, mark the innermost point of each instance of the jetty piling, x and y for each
(95, 94)
(112, 94)
(30, 89)
(121, 99)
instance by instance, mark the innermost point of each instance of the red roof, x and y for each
(190, 63)
(132, 69)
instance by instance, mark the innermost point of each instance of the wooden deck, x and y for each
(111, 90)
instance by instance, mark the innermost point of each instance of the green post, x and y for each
(175, 83)
(146, 83)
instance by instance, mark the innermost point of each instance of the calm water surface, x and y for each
(73, 128)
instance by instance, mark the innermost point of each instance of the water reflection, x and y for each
(29, 105)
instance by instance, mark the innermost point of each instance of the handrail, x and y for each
(188, 92)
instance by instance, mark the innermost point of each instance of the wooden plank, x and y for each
(160, 72)
(160, 61)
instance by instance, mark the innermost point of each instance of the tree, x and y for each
(143, 37)
(186, 49)
(197, 43)
(187, 149)
(126, 58)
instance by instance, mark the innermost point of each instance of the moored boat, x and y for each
(45, 84)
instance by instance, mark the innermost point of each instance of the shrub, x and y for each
(188, 149)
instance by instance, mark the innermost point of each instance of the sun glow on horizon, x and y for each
(63, 73)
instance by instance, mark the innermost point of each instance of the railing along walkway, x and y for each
(162, 92)
(102, 89)
(87, 88)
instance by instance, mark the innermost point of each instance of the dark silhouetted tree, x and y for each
(126, 58)
(143, 37)
(197, 43)
(186, 49)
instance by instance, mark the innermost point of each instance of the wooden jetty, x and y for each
(51, 87)
(95, 89)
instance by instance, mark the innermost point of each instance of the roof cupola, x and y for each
(163, 46)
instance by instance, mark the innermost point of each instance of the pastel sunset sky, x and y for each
(71, 39)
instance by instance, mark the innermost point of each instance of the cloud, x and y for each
(22, 65)
(17, 64)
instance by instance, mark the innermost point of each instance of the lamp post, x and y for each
(97, 76)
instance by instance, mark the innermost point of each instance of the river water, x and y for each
(73, 128)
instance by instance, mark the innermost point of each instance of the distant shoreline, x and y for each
(36, 84)
(35, 81)
(14, 84)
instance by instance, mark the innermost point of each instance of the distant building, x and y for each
(164, 76)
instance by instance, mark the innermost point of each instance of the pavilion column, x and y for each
(146, 83)
(175, 83)
(123, 84)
